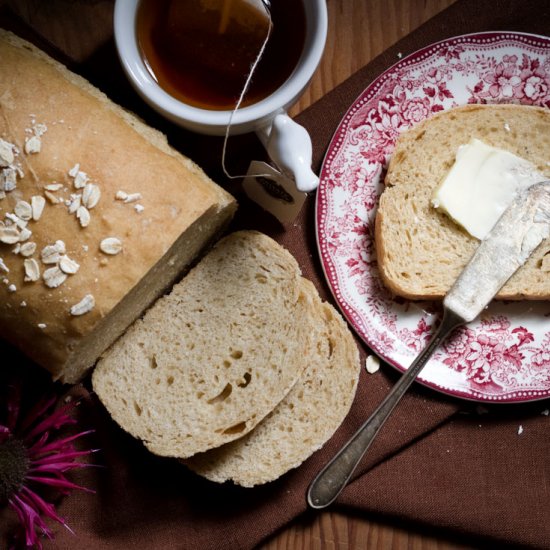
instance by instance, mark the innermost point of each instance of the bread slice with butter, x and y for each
(211, 359)
(306, 418)
(420, 250)
(99, 215)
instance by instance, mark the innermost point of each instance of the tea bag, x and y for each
(273, 191)
(228, 39)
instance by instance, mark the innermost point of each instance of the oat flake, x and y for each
(54, 277)
(37, 205)
(33, 145)
(111, 246)
(68, 266)
(83, 216)
(32, 270)
(84, 306)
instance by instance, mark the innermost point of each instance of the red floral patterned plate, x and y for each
(504, 356)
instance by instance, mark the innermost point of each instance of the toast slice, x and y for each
(210, 360)
(420, 251)
(304, 420)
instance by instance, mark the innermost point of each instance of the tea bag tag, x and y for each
(273, 191)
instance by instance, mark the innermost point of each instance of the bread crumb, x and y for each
(42, 325)
(3, 266)
(545, 412)
(12, 288)
(506, 126)
(399, 55)
(139, 208)
(23, 304)
(520, 430)
(372, 364)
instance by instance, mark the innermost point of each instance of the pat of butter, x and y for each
(481, 184)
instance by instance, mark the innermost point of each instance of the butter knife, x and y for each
(518, 232)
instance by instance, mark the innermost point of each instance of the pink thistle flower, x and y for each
(33, 457)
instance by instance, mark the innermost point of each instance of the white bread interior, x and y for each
(209, 360)
(306, 418)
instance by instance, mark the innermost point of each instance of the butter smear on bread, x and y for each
(481, 184)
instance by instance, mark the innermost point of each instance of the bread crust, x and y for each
(119, 153)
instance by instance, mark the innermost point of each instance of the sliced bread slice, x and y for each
(420, 251)
(210, 360)
(304, 420)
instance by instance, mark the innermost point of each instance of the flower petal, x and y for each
(61, 484)
(60, 444)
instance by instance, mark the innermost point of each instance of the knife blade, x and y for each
(518, 232)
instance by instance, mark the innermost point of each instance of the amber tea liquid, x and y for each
(201, 51)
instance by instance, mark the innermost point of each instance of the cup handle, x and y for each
(289, 146)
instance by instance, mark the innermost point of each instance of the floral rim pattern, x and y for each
(504, 356)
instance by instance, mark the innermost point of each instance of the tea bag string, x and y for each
(243, 93)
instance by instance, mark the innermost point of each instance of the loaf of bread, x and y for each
(304, 420)
(98, 214)
(420, 250)
(211, 359)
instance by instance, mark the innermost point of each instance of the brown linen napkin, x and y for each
(466, 474)
(477, 474)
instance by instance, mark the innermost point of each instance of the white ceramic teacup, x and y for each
(287, 143)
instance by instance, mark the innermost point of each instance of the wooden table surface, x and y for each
(359, 30)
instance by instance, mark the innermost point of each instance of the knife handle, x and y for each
(335, 475)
